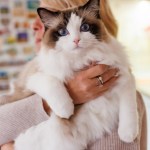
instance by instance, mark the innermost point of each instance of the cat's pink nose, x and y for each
(76, 41)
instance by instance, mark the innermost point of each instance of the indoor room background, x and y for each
(17, 39)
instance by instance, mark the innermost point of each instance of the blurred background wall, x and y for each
(16, 38)
(133, 17)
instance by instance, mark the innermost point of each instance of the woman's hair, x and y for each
(106, 13)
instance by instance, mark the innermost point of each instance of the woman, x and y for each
(83, 87)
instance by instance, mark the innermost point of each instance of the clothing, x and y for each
(19, 116)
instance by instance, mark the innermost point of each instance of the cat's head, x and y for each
(72, 29)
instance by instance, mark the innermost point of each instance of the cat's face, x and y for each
(72, 29)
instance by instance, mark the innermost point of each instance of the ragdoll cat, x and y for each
(72, 39)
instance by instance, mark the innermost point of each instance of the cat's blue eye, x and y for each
(63, 32)
(85, 27)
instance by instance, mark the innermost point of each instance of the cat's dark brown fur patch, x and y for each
(97, 28)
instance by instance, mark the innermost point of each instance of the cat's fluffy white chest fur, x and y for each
(63, 64)
(92, 119)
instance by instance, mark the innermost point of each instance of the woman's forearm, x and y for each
(19, 116)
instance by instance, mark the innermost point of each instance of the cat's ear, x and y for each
(92, 6)
(47, 16)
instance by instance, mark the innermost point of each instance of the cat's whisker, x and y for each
(93, 42)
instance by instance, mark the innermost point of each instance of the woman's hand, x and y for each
(85, 85)
(9, 146)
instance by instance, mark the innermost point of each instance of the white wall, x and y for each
(133, 17)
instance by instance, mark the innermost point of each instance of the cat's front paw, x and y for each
(128, 134)
(31, 83)
(64, 111)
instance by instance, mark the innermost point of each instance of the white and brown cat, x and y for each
(72, 39)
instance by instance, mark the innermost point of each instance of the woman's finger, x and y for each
(110, 73)
(105, 77)
(96, 71)
(107, 85)
(97, 91)
(98, 87)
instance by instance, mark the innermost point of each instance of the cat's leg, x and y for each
(128, 115)
(54, 92)
(53, 134)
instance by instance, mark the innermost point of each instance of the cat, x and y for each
(72, 39)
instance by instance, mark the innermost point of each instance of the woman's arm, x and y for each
(19, 116)
(143, 122)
